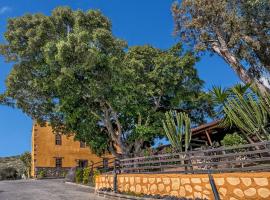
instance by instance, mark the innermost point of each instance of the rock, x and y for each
(196, 180)
(219, 181)
(175, 183)
(153, 189)
(246, 181)
(161, 187)
(185, 181)
(238, 192)
(261, 181)
(233, 181)
(223, 191)
(166, 181)
(264, 192)
(250, 192)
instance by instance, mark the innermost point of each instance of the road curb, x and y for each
(80, 185)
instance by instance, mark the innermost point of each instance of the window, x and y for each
(58, 139)
(82, 163)
(58, 162)
(82, 144)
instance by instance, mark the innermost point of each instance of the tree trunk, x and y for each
(221, 49)
(115, 134)
(113, 152)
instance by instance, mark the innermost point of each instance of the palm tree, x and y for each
(177, 127)
(219, 97)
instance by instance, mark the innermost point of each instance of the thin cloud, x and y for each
(4, 9)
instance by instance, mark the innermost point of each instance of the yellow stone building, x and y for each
(55, 154)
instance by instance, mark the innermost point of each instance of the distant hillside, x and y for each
(12, 161)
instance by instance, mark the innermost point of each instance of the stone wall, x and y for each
(231, 186)
(52, 171)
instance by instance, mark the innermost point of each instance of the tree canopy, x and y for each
(69, 70)
(238, 31)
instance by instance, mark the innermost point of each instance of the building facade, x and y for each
(54, 154)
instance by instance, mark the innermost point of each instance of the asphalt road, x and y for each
(44, 190)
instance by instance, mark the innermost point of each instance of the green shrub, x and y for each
(86, 173)
(64, 174)
(233, 140)
(79, 175)
(41, 174)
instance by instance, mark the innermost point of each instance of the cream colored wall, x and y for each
(44, 149)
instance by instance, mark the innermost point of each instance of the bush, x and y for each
(79, 175)
(86, 173)
(64, 174)
(9, 173)
(41, 174)
(233, 140)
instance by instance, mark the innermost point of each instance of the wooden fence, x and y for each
(250, 157)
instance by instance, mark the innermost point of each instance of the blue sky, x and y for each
(138, 22)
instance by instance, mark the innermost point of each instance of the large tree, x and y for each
(69, 70)
(236, 30)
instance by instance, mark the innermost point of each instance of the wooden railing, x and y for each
(109, 167)
(250, 157)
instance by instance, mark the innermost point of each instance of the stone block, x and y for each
(131, 180)
(246, 181)
(219, 181)
(175, 183)
(161, 187)
(151, 180)
(198, 188)
(185, 181)
(233, 180)
(138, 188)
(264, 192)
(238, 192)
(188, 188)
(261, 181)
(196, 180)
(145, 180)
(138, 180)
(121, 179)
(182, 192)
(250, 192)
(166, 181)
(153, 189)
(223, 191)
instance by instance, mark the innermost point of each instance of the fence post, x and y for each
(115, 172)
(213, 186)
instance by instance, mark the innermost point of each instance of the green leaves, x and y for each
(177, 127)
(233, 140)
(247, 112)
(71, 71)
(238, 31)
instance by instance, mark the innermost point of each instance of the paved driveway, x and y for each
(43, 190)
